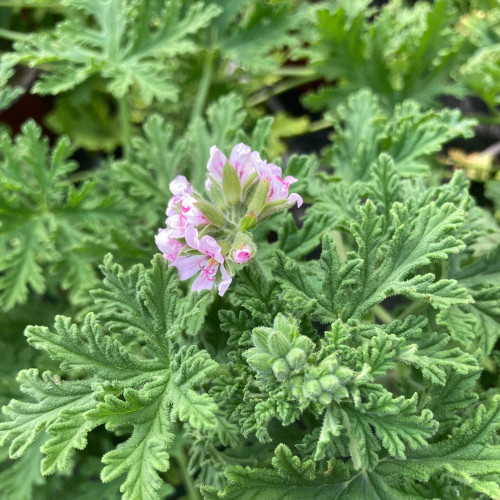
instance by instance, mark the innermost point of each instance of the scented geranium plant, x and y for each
(287, 379)
(311, 320)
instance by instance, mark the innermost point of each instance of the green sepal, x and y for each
(259, 197)
(213, 214)
(231, 185)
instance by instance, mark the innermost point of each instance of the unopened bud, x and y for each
(296, 358)
(280, 369)
(248, 222)
(278, 344)
(214, 215)
(325, 398)
(329, 382)
(312, 389)
(231, 185)
(259, 197)
(260, 361)
(243, 248)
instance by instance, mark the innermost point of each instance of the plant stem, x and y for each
(206, 78)
(295, 71)
(27, 5)
(382, 314)
(15, 36)
(279, 88)
(412, 308)
(124, 117)
(319, 125)
(188, 482)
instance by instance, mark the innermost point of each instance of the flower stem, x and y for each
(206, 78)
(319, 125)
(124, 117)
(382, 314)
(191, 489)
(279, 88)
(15, 36)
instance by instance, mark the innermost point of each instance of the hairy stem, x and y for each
(279, 88)
(191, 489)
(206, 79)
(382, 314)
(12, 35)
(124, 117)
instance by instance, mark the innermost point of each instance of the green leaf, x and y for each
(391, 51)
(124, 45)
(466, 455)
(379, 270)
(7, 93)
(56, 401)
(291, 479)
(45, 219)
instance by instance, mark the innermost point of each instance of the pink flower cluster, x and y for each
(249, 166)
(180, 241)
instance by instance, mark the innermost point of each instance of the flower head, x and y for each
(243, 190)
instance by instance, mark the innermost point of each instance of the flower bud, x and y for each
(260, 361)
(343, 373)
(242, 255)
(281, 369)
(296, 358)
(231, 185)
(304, 343)
(328, 382)
(259, 197)
(248, 222)
(312, 389)
(325, 398)
(278, 344)
(243, 248)
(340, 392)
(214, 215)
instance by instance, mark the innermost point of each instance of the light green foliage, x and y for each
(126, 45)
(408, 135)
(482, 71)
(251, 34)
(399, 53)
(7, 93)
(480, 278)
(49, 227)
(144, 391)
(466, 456)
(380, 268)
(354, 357)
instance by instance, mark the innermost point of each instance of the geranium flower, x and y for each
(168, 244)
(181, 209)
(207, 261)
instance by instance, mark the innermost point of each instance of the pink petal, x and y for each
(294, 197)
(180, 185)
(202, 282)
(191, 235)
(216, 163)
(242, 255)
(188, 266)
(226, 281)
(209, 246)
